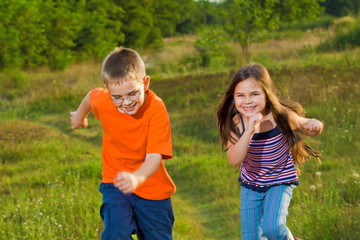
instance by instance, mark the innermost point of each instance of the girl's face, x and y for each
(249, 97)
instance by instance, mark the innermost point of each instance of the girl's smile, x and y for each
(249, 97)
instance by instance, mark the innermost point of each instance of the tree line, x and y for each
(56, 33)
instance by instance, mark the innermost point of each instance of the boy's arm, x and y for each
(307, 126)
(79, 117)
(127, 182)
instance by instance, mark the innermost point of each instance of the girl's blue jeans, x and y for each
(263, 214)
(127, 214)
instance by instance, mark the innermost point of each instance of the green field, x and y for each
(49, 174)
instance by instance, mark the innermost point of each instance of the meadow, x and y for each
(49, 174)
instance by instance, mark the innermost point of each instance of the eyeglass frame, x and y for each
(134, 97)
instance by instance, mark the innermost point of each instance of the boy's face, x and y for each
(129, 96)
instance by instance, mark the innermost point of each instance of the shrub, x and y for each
(347, 35)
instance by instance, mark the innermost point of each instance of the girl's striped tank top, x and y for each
(268, 162)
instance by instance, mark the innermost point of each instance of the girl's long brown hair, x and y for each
(226, 111)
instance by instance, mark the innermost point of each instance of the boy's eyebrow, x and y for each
(132, 91)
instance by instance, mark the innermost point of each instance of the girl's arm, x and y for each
(307, 126)
(79, 117)
(236, 152)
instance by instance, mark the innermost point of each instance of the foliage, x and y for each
(137, 22)
(21, 34)
(210, 49)
(248, 18)
(324, 21)
(341, 8)
(168, 15)
(56, 33)
(347, 35)
(101, 29)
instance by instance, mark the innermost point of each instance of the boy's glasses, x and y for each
(133, 96)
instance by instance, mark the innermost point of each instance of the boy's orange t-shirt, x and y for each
(128, 138)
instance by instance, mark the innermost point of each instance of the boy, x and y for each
(135, 186)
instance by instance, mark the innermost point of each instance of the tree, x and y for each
(22, 39)
(246, 18)
(167, 14)
(137, 22)
(341, 8)
(62, 24)
(101, 30)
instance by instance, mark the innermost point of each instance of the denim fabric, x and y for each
(127, 214)
(263, 214)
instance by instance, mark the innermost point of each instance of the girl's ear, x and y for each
(146, 83)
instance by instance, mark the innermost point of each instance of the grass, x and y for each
(49, 175)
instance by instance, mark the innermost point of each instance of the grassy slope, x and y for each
(49, 175)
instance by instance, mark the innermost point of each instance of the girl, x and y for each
(262, 137)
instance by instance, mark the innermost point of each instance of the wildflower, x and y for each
(355, 175)
(318, 174)
(313, 187)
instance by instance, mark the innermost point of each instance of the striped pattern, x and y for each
(263, 214)
(268, 161)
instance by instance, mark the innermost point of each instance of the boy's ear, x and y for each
(146, 83)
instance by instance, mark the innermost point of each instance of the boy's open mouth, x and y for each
(130, 108)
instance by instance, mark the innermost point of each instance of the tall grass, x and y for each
(49, 175)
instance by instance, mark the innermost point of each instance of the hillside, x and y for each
(49, 175)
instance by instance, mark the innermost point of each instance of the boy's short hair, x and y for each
(122, 64)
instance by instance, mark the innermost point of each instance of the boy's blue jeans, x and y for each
(127, 214)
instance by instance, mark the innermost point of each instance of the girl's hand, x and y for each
(254, 122)
(126, 182)
(312, 127)
(76, 122)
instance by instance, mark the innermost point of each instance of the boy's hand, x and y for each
(126, 182)
(76, 122)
